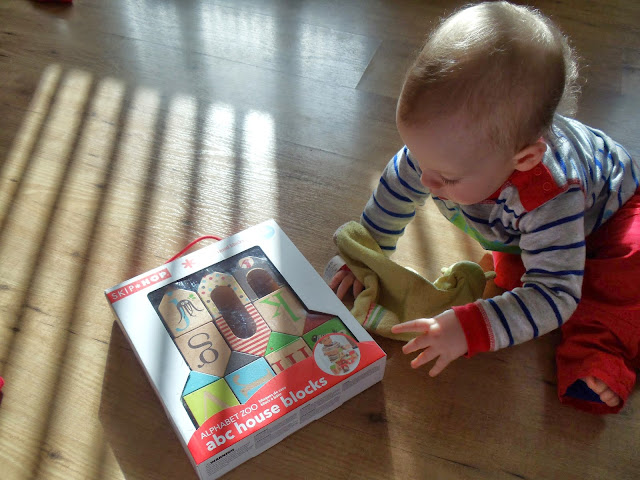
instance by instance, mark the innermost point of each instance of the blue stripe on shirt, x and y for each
(402, 181)
(548, 299)
(393, 214)
(380, 229)
(409, 161)
(560, 221)
(503, 320)
(384, 183)
(505, 208)
(557, 247)
(482, 221)
(557, 273)
(561, 162)
(633, 172)
(527, 314)
(444, 204)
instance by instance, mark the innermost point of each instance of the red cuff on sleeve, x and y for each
(475, 328)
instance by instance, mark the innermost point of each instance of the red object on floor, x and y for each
(1, 383)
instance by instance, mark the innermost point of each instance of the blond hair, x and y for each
(507, 67)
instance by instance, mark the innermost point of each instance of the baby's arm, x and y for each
(442, 338)
(552, 241)
(388, 211)
(393, 203)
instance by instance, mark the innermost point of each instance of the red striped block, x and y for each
(255, 344)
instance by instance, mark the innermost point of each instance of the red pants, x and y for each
(602, 337)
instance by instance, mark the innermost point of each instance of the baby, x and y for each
(556, 202)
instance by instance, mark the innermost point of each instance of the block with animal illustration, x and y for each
(238, 335)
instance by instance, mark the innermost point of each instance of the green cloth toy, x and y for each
(394, 294)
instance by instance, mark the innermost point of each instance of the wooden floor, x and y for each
(129, 128)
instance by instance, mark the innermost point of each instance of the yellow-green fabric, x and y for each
(394, 294)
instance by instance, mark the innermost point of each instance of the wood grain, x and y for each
(127, 129)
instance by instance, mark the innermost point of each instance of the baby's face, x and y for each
(456, 164)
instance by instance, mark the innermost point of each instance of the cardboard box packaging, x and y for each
(244, 343)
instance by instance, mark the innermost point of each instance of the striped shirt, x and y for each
(543, 214)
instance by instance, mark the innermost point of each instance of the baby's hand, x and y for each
(343, 281)
(443, 338)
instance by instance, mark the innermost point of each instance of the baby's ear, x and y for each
(529, 156)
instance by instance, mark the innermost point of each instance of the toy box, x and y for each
(244, 343)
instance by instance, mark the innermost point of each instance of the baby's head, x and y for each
(485, 85)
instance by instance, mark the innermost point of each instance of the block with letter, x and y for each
(282, 311)
(205, 350)
(182, 311)
(288, 355)
(209, 400)
(226, 336)
(248, 380)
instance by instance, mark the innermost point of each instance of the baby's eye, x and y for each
(447, 181)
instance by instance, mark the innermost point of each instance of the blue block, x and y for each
(198, 380)
(247, 380)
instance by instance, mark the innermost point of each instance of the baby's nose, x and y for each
(430, 180)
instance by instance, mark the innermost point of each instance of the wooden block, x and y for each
(249, 263)
(205, 350)
(234, 312)
(332, 326)
(288, 356)
(261, 282)
(239, 360)
(257, 343)
(283, 312)
(279, 340)
(216, 279)
(314, 320)
(182, 311)
(209, 400)
(247, 380)
(196, 381)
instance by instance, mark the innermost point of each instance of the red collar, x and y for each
(535, 187)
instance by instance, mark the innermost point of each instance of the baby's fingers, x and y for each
(424, 358)
(419, 343)
(337, 278)
(358, 287)
(344, 287)
(439, 366)
(419, 325)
